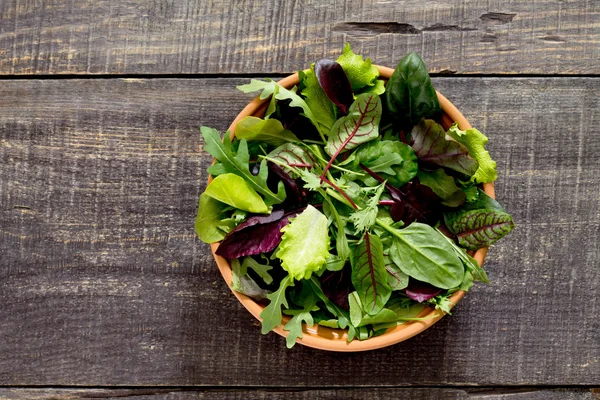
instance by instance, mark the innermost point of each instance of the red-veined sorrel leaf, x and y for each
(421, 291)
(397, 279)
(430, 144)
(292, 155)
(258, 234)
(359, 126)
(480, 223)
(369, 276)
(335, 83)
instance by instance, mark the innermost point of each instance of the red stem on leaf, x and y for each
(340, 191)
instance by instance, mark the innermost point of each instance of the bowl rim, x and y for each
(330, 339)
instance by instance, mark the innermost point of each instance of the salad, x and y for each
(348, 204)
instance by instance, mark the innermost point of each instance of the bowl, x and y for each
(324, 338)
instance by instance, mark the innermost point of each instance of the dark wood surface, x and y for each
(260, 36)
(105, 291)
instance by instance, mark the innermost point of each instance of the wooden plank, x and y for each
(326, 394)
(104, 282)
(179, 36)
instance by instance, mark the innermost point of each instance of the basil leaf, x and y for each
(409, 95)
(369, 275)
(480, 223)
(269, 131)
(234, 190)
(421, 253)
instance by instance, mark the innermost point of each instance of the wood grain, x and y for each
(276, 394)
(103, 281)
(261, 36)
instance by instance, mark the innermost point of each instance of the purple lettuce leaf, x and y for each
(258, 234)
(337, 286)
(335, 83)
(421, 291)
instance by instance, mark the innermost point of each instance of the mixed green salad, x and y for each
(348, 204)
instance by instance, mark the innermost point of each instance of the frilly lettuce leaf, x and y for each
(475, 141)
(361, 73)
(304, 246)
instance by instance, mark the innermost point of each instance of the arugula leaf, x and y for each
(241, 282)
(409, 95)
(238, 164)
(269, 88)
(318, 101)
(335, 83)
(364, 219)
(430, 143)
(304, 246)
(475, 142)
(443, 186)
(340, 313)
(261, 270)
(294, 325)
(271, 314)
(369, 275)
(232, 189)
(269, 131)
(361, 73)
(422, 254)
(480, 223)
(359, 126)
(209, 225)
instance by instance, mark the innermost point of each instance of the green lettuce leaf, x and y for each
(475, 142)
(361, 73)
(269, 131)
(212, 224)
(234, 190)
(304, 246)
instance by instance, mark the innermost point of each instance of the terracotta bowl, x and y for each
(335, 339)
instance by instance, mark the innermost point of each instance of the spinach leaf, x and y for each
(238, 164)
(480, 223)
(271, 314)
(443, 186)
(359, 318)
(335, 83)
(234, 190)
(395, 161)
(317, 100)
(209, 225)
(430, 143)
(421, 253)
(241, 282)
(359, 126)
(269, 131)
(409, 95)
(475, 142)
(369, 275)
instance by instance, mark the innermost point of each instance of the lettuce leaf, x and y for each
(475, 142)
(304, 246)
(361, 73)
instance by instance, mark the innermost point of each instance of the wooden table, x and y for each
(105, 291)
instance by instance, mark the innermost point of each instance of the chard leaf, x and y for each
(421, 291)
(261, 270)
(397, 279)
(421, 253)
(258, 234)
(409, 94)
(365, 218)
(304, 246)
(396, 161)
(294, 325)
(430, 143)
(292, 155)
(271, 314)
(238, 164)
(232, 189)
(480, 223)
(269, 131)
(443, 186)
(316, 98)
(335, 83)
(241, 282)
(361, 73)
(209, 225)
(269, 88)
(475, 142)
(359, 126)
(369, 275)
